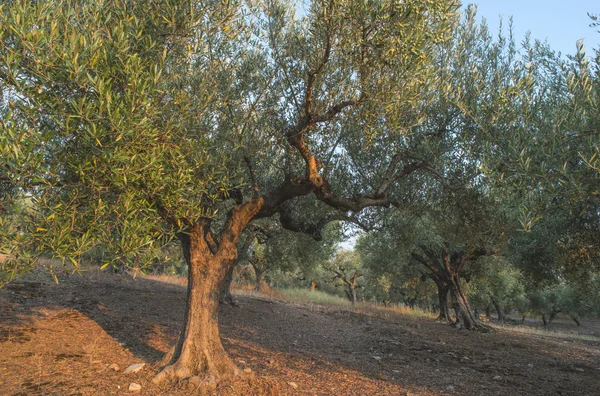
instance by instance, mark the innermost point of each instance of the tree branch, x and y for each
(252, 177)
(334, 111)
(312, 77)
(390, 176)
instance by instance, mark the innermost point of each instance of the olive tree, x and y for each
(136, 122)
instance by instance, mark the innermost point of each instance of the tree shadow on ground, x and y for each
(398, 355)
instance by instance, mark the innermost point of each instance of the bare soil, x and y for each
(61, 340)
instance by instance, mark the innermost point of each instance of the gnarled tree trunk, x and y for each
(260, 283)
(553, 316)
(464, 315)
(446, 269)
(198, 349)
(498, 310)
(352, 293)
(443, 301)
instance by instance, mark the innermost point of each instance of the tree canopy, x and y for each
(132, 125)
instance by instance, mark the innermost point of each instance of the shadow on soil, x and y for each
(280, 337)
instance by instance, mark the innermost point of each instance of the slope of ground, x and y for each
(65, 340)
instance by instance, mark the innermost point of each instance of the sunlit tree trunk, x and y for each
(198, 348)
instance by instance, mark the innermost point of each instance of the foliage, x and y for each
(497, 279)
(110, 129)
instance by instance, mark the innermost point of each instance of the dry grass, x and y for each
(522, 329)
(313, 300)
(172, 280)
(321, 301)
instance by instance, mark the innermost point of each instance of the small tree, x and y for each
(346, 268)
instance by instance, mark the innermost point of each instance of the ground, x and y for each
(65, 340)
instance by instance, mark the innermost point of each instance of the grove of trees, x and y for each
(466, 164)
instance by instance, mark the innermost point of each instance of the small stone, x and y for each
(210, 383)
(378, 358)
(134, 368)
(114, 367)
(248, 370)
(242, 362)
(135, 387)
(497, 378)
(293, 385)
(450, 387)
(579, 369)
(396, 371)
(466, 358)
(530, 365)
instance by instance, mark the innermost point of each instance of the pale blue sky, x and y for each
(561, 22)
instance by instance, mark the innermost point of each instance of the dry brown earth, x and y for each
(62, 339)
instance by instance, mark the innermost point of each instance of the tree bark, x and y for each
(352, 294)
(198, 348)
(498, 310)
(226, 297)
(259, 284)
(464, 316)
(443, 301)
(446, 268)
(553, 316)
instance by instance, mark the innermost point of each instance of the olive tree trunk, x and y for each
(352, 293)
(226, 297)
(443, 301)
(464, 315)
(498, 310)
(198, 349)
(260, 282)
